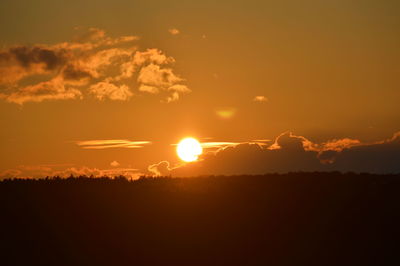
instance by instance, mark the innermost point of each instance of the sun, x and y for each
(189, 149)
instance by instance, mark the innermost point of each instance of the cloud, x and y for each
(215, 144)
(153, 56)
(150, 56)
(68, 60)
(91, 34)
(225, 113)
(106, 89)
(114, 164)
(154, 79)
(172, 98)
(42, 171)
(149, 89)
(260, 99)
(90, 38)
(30, 171)
(154, 75)
(290, 152)
(378, 157)
(38, 168)
(75, 73)
(21, 61)
(174, 31)
(110, 67)
(160, 169)
(176, 91)
(131, 173)
(10, 173)
(179, 88)
(96, 172)
(261, 141)
(218, 145)
(77, 171)
(111, 143)
(48, 90)
(340, 144)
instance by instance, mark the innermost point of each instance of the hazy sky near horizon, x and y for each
(145, 74)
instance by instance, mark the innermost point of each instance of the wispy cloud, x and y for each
(217, 145)
(261, 140)
(111, 143)
(225, 113)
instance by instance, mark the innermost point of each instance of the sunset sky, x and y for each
(110, 87)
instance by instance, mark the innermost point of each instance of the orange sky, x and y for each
(107, 87)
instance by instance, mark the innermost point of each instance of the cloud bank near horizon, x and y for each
(291, 153)
(287, 153)
(66, 170)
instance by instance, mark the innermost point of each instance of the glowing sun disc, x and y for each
(189, 149)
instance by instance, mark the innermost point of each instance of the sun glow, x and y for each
(189, 149)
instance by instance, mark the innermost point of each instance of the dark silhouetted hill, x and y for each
(290, 219)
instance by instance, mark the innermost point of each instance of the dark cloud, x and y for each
(382, 157)
(19, 62)
(296, 153)
(29, 56)
(75, 73)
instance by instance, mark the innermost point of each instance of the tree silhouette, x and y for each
(276, 219)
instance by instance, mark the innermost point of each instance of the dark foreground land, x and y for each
(293, 219)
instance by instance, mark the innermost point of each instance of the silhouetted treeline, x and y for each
(274, 219)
